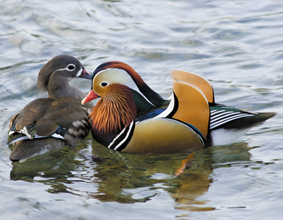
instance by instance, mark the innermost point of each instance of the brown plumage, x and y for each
(51, 123)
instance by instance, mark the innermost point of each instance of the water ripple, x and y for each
(236, 45)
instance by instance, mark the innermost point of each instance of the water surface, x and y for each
(236, 45)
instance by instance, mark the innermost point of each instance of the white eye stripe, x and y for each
(100, 72)
(115, 75)
(70, 67)
(79, 72)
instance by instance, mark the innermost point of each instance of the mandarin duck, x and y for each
(131, 117)
(50, 123)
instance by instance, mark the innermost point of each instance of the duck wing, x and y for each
(222, 116)
(195, 80)
(63, 118)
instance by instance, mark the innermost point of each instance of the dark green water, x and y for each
(237, 46)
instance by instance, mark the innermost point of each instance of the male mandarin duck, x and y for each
(131, 117)
(50, 123)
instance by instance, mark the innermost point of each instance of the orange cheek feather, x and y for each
(90, 96)
(115, 110)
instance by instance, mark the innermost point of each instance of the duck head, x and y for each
(116, 108)
(57, 73)
(123, 95)
(116, 72)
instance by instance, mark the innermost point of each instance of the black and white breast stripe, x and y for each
(171, 109)
(121, 141)
(220, 117)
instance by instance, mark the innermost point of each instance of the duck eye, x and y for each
(103, 84)
(71, 67)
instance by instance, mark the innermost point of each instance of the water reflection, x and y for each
(123, 172)
(57, 164)
(130, 178)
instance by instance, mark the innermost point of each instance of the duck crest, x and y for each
(114, 111)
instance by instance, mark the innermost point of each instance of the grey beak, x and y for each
(85, 74)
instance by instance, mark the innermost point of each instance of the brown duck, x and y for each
(50, 123)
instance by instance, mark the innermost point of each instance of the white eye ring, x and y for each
(71, 67)
(103, 84)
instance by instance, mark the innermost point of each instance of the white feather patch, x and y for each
(226, 136)
(37, 136)
(114, 75)
(79, 72)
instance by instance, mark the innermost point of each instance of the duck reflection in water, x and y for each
(130, 178)
(125, 178)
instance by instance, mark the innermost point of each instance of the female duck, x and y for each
(131, 117)
(50, 123)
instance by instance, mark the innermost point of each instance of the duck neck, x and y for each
(151, 95)
(143, 104)
(59, 87)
